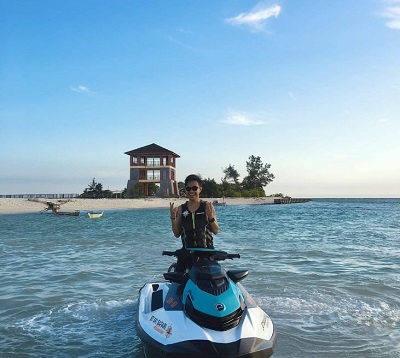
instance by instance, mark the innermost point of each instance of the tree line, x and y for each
(253, 184)
(258, 176)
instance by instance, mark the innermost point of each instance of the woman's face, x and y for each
(193, 190)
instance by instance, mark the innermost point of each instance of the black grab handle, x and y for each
(169, 253)
(233, 256)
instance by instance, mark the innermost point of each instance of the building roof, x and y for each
(152, 148)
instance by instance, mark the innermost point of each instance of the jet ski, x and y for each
(203, 312)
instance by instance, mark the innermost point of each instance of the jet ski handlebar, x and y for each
(169, 253)
(232, 256)
(215, 255)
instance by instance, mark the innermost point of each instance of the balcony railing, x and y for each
(151, 165)
(150, 178)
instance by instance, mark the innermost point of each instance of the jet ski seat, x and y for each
(209, 280)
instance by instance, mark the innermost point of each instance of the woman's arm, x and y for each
(212, 218)
(176, 216)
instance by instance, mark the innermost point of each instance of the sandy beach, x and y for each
(13, 206)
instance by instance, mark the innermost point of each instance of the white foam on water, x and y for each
(315, 318)
(77, 317)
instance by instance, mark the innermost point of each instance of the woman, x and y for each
(194, 221)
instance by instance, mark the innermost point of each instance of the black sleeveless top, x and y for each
(194, 227)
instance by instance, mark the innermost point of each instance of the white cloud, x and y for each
(392, 13)
(241, 119)
(292, 95)
(80, 89)
(383, 120)
(174, 40)
(341, 156)
(257, 18)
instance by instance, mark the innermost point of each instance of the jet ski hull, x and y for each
(167, 331)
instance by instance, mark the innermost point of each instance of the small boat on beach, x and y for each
(54, 207)
(219, 203)
(95, 215)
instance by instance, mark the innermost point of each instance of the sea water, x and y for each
(327, 272)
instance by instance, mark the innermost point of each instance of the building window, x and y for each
(153, 175)
(153, 161)
(134, 159)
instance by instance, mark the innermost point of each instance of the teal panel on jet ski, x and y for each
(217, 306)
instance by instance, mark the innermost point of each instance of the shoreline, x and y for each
(17, 205)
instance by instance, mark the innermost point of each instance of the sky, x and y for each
(311, 87)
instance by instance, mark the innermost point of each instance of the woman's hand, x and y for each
(210, 211)
(211, 218)
(173, 211)
(175, 219)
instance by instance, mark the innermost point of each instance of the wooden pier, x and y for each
(289, 200)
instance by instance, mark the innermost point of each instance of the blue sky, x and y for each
(311, 87)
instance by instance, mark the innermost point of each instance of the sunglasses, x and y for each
(189, 188)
